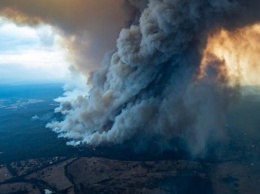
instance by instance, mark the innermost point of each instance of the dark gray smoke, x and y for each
(146, 92)
(151, 91)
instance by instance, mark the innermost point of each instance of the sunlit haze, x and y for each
(239, 50)
(31, 55)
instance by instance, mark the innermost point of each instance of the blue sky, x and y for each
(31, 55)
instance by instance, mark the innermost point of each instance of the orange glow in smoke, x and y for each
(239, 50)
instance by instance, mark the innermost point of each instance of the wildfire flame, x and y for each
(239, 51)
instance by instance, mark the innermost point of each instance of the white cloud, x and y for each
(31, 54)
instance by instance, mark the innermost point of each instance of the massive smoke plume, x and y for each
(155, 89)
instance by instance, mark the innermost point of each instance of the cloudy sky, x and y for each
(89, 30)
(31, 55)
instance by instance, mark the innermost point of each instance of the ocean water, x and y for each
(24, 112)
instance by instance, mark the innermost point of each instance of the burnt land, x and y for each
(101, 175)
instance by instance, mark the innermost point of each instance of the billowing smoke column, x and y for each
(155, 90)
(147, 92)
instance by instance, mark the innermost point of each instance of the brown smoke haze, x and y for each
(90, 28)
